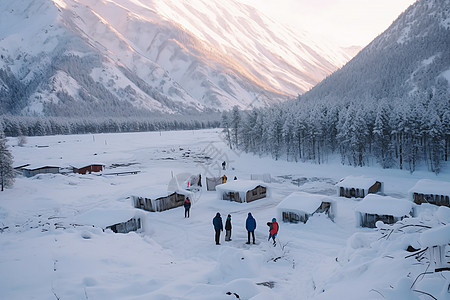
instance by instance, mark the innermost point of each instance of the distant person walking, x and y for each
(187, 207)
(224, 178)
(228, 229)
(273, 230)
(218, 227)
(224, 165)
(250, 225)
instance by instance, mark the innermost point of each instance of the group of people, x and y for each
(250, 225)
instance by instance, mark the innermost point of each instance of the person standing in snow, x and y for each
(273, 230)
(187, 207)
(199, 183)
(228, 229)
(218, 227)
(250, 225)
(223, 165)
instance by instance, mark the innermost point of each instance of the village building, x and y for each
(117, 220)
(158, 200)
(32, 170)
(358, 186)
(88, 169)
(212, 182)
(389, 210)
(431, 191)
(300, 206)
(242, 190)
(18, 170)
(437, 242)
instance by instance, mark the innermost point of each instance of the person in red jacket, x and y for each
(273, 230)
(187, 207)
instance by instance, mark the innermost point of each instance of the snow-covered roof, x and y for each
(36, 167)
(356, 182)
(435, 187)
(304, 202)
(239, 185)
(157, 191)
(384, 205)
(435, 236)
(103, 218)
(85, 164)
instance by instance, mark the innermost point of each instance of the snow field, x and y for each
(47, 252)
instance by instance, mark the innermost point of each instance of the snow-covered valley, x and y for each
(53, 243)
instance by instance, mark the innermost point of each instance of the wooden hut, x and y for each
(242, 190)
(431, 191)
(358, 186)
(437, 242)
(300, 206)
(133, 224)
(88, 169)
(30, 170)
(375, 208)
(160, 200)
(118, 220)
(212, 182)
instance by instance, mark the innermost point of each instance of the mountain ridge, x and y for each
(68, 57)
(411, 56)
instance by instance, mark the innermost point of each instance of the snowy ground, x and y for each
(47, 252)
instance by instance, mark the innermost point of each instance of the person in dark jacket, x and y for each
(187, 207)
(250, 225)
(218, 227)
(228, 229)
(273, 230)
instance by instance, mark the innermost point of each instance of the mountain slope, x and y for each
(412, 56)
(124, 57)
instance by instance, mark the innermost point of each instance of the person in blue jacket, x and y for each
(218, 227)
(250, 225)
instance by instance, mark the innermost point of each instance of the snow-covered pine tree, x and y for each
(6, 163)
(382, 136)
(436, 142)
(226, 128)
(235, 125)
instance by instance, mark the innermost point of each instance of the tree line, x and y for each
(14, 126)
(393, 133)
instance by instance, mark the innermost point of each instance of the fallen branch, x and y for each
(417, 291)
(421, 251)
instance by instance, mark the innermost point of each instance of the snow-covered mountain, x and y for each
(412, 57)
(122, 57)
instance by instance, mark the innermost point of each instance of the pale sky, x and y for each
(347, 22)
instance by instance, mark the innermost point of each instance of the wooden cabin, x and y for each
(358, 186)
(30, 170)
(118, 220)
(92, 168)
(212, 182)
(242, 190)
(133, 224)
(437, 242)
(389, 210)
(300, 206)
(160, 201)
(19, 169)
(431, 191)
